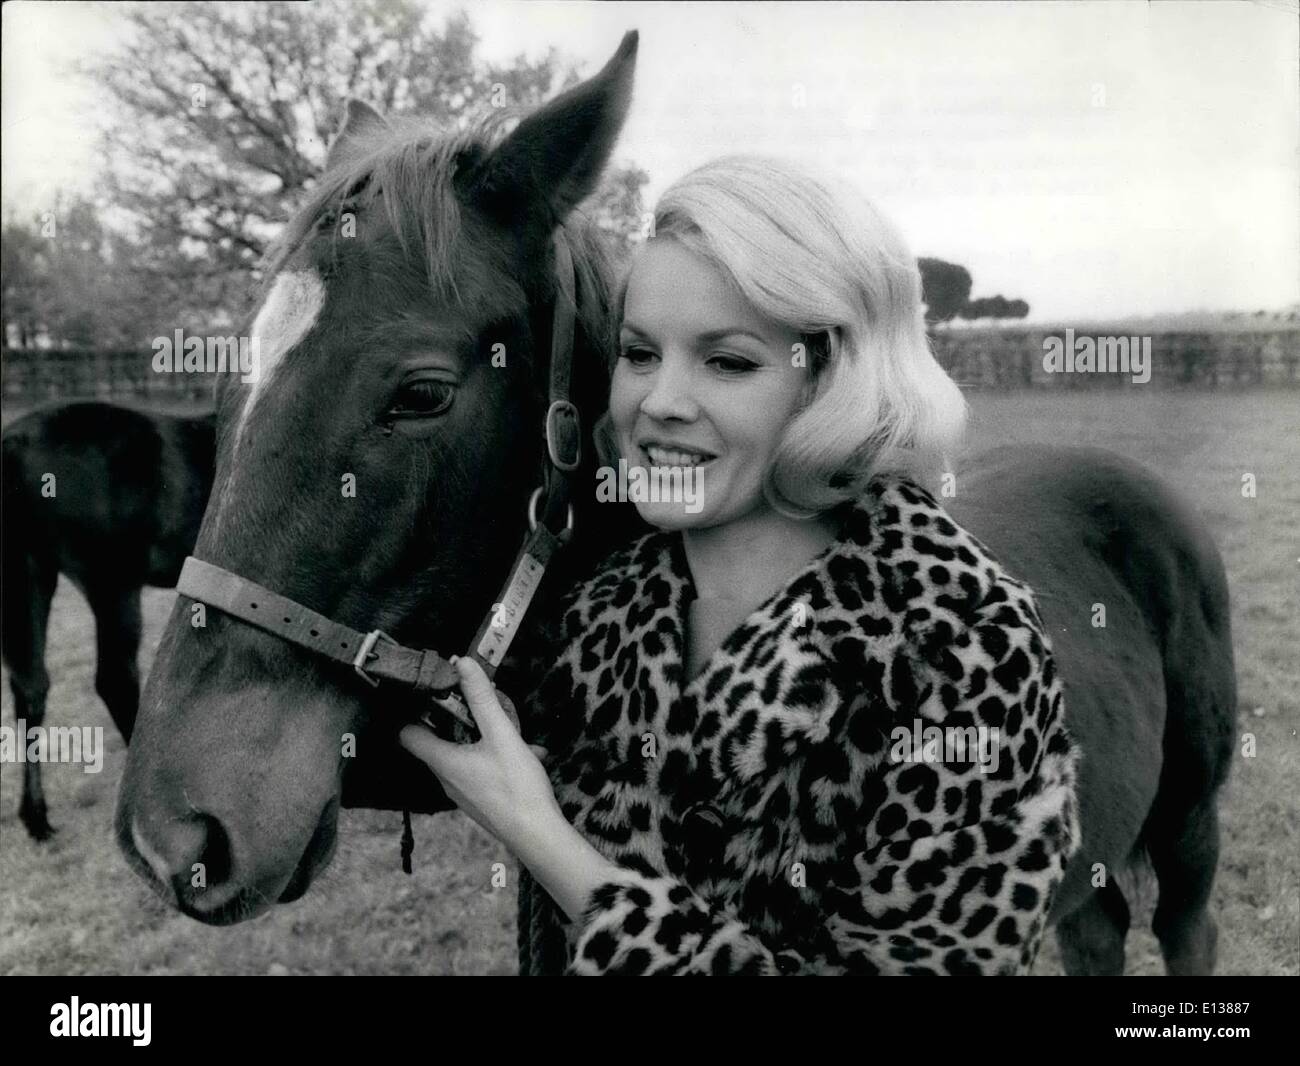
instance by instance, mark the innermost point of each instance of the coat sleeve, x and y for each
(949, 870)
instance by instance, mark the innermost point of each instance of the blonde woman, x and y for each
(809, 725)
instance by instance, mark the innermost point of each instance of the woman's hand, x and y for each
(499, 782)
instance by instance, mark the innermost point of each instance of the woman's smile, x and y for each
(669, 455)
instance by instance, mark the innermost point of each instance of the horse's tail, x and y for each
(1181, 834)
(1163, 551)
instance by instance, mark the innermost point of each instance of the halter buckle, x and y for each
(563, 435)
(367, 652)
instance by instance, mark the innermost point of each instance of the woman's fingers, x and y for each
(421, 743)
(508, 706)
(480, 695)
(455, 707)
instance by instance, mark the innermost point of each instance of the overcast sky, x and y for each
(1095, 159)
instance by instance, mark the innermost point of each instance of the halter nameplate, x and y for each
(506, 617)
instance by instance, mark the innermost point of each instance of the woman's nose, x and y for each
(670, 395)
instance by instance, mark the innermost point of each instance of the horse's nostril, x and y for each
(205, 888)
(189, 854)
(216, 857)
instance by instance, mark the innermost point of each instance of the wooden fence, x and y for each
(996, 358)
(33, 375)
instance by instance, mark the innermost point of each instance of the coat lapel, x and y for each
(630, 664)
(777, 687)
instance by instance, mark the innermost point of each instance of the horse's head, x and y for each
(377, 470)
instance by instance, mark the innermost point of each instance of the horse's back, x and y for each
(107, 492)
(1133, 595)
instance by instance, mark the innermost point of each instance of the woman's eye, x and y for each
(731, 364)
(422, 399)
(637, 356)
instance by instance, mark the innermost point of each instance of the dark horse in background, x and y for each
(385, 372)
(112, 497)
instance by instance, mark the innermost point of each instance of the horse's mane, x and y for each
(411, 167)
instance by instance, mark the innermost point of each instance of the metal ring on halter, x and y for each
(532, 514)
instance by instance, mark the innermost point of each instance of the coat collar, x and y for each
(839, 632)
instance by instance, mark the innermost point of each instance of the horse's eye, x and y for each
(425, 398)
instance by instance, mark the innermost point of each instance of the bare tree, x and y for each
(223, 115)
(67, 282)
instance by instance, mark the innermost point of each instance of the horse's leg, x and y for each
(1185, 855)
(1092, 938)
(117, 640)
(29, 592)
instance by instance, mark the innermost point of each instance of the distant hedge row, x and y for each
(997, 358)
(1018, 358)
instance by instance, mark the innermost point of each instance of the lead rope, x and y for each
(408, 841)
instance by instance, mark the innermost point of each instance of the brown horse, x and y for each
(111, 497)
(384, 375)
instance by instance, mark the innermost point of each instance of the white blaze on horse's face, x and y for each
(290, 311)
(288, 315)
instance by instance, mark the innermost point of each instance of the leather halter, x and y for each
(375, 656)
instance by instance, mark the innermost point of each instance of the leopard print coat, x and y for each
(768, 816)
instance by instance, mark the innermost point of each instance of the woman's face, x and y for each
(704, 383)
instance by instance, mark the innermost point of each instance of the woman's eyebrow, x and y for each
(731, 331)
(708, 337)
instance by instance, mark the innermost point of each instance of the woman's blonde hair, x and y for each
(816, 257)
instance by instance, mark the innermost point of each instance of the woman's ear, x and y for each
(605, 441)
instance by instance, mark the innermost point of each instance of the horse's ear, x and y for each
(553, 159)
(360, 121)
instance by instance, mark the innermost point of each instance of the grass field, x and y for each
(70, 906)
